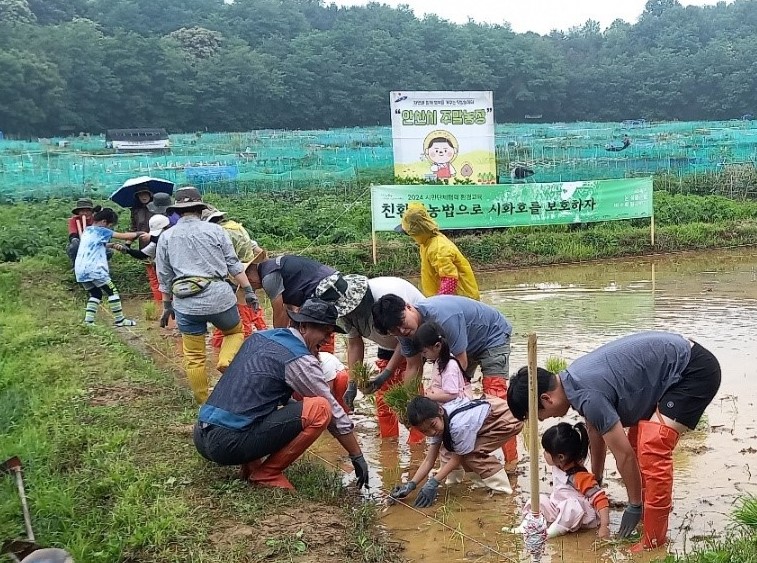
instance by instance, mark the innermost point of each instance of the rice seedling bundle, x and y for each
(362, 374)
(399, 395)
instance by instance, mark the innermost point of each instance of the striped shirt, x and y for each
(197, 248)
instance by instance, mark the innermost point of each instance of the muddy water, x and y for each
(710, 297)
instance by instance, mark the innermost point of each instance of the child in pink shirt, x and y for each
(448, 378)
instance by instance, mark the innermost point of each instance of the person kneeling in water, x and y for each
(470, 431)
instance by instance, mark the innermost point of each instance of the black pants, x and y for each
(686, 401)
(97, 292)
(235, 447)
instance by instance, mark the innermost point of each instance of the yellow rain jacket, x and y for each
(440, 258)
(240, 240)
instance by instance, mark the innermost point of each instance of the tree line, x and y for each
(191, 65)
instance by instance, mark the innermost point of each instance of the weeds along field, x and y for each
(333, 225)
(111, 474)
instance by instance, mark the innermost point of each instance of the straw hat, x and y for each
(259, 255)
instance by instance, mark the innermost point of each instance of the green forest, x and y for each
(71, 66)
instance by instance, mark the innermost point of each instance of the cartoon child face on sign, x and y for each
(440, 147)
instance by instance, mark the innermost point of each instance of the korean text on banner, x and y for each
(446, 136)
(469, 206)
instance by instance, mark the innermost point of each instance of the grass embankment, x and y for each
(333, 226)
(110, 469)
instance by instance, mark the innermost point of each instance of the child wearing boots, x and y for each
(91, 266)
(470, 431)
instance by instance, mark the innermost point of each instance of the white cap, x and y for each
(157, 224)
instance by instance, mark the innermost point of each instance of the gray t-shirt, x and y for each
(273, 284)
(624, 380)
(468, 325)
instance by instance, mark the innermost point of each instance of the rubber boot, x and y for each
(247, 469)
(497, 387)
(341, 382)
(152, 278)
(656, 444)
(387, 420)
(316, 415)
(233, 339)
(476, 481)
(246, 315)
(499, 482)
(258, 319)
(194, 363)
(455, 476)
(216, 338)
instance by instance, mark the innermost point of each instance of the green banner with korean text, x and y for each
(507, 205)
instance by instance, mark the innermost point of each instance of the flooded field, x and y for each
(709, 297)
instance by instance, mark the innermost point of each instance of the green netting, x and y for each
(269, 159)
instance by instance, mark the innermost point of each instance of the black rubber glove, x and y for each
(376, 383)
(168, 314)
(401, 491)
(427, 495)
(631, 517)
(350, 394)
(361, 470)
(251, 299)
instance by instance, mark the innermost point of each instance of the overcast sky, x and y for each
(541, 16)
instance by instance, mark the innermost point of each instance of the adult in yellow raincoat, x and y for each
(444, 269)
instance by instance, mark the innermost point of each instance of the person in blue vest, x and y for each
(290, 280)
(250, 414)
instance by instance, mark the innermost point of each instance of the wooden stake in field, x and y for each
(534, 525)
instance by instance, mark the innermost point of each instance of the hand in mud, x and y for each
(361, 470)
(631, 517)
(349, 395)
(401, 491)
(376, 383)
(427, 496)
(168, 314)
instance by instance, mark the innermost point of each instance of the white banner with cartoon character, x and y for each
(447, 136)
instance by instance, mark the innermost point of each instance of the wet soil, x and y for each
(710, 297)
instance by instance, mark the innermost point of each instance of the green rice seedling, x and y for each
(151, 311)
(555, 364)
(399, 395)
(362, 374)
(745, 512)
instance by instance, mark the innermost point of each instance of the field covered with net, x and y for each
(272, 159)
